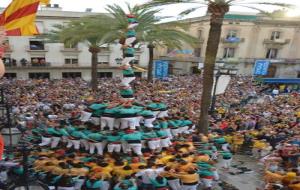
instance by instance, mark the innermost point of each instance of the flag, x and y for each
(1, 146)
(19, 17)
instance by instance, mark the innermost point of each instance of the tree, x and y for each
(149, 31)
(217, 10)
(92, 30)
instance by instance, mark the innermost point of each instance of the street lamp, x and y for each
(218, 73)
(13, 135)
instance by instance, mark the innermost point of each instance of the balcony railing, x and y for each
(277, 41)
(37, 49)
(232, 40)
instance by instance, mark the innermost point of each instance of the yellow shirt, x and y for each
(259, 145)
(188, 178)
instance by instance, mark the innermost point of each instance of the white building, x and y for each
(30, 57)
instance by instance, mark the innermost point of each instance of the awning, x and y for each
(280, 80)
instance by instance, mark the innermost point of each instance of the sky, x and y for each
(99, 6)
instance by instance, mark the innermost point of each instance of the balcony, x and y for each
(232, 40)
(70, 50)
(276, 41)
(37, 49)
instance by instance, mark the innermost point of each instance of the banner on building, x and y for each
(261, 67)
(161, 69)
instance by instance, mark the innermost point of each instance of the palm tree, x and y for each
(217, 10)
(150, 32)
(92, 30)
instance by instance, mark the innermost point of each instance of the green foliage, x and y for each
(149, 29)
(91, 29)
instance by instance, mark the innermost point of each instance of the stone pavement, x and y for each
(246, 181)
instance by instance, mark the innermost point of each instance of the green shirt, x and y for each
(64, 132)
(125, 111)
(205, 173)
(159, 185)
(161, 133)
(146, 113)
(78, 134)
(112, 138)
(164, 124)
(96, 136)
(149, 135)
(52, 131)
(128, 71)
(132, 136)
(126, 92)
(220, 140)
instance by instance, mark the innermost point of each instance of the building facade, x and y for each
(245, 38)
(31, 57)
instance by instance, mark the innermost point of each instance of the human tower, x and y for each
(125, 125)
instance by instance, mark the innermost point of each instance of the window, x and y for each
(228, 52)
(36, 45)
(298, 76)
(10, 75)
(38, 61)
(71, 61)
(197, 52)
(272, 53)
(199, 34)
(39, 75)
(105, 75)
(103, 59)
(275, 35)
(231, 34)
(71, 75)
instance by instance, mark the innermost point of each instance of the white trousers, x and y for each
(84, 143)
(105, 185)
(127, 80)
(74, 143)
(175, 132)
(85, 116)
(164, 143)
(189, 187)
(226, 163)
(225, 147)
(162, 114)
(99, 146)
(174, 184)
(54, 142)
(138, 121)
(148, 122)
(207, 182)
(107, 121)
(65, 188)
(125, 147)
(129, 122)
(113, 147)
(216, 175)
(153, 145)
(136, 148)
(45, 141)
(95, 120)
(78, 184)
(168, 131)
(117, 123)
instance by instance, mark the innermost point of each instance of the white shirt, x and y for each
(147, 174)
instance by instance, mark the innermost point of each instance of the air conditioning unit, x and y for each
(279, 40)
(55, 5)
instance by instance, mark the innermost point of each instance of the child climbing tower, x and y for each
(128, 46)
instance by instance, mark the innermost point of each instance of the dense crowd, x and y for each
(85, 139)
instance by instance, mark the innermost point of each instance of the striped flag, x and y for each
(19, 17)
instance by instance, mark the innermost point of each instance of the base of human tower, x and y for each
(114, 142)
